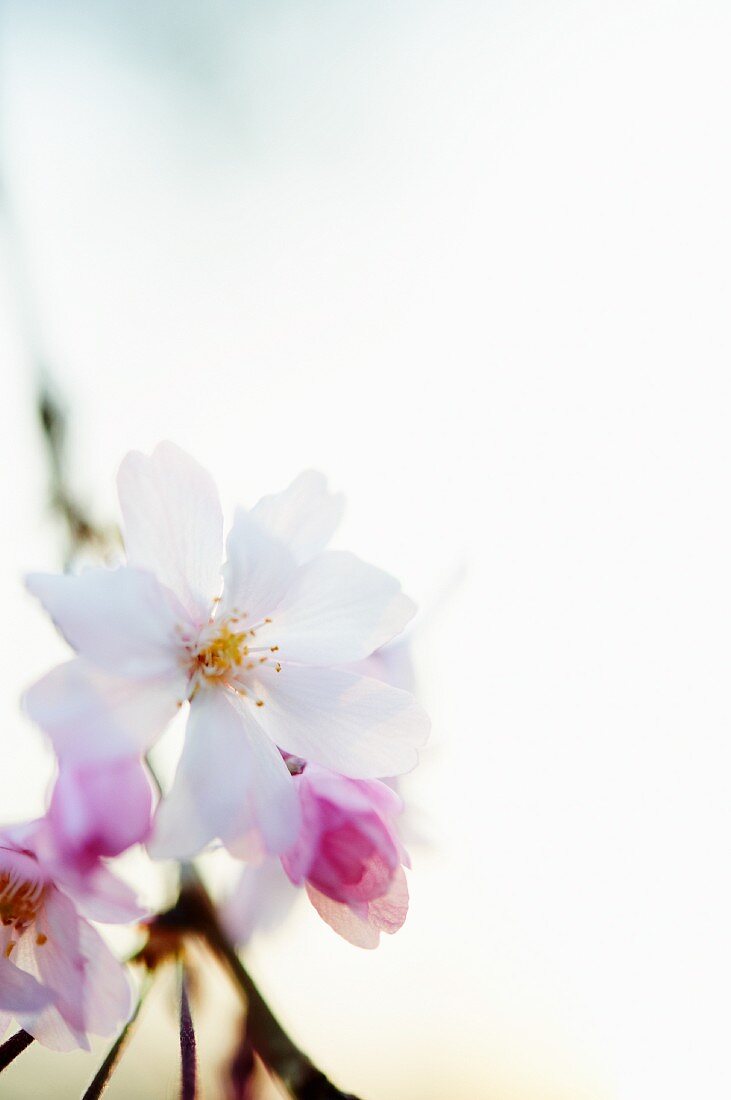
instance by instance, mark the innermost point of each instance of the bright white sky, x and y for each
(471, 260)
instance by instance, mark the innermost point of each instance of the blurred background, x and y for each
(470, 259)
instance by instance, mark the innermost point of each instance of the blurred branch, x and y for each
(14, 1046)
(194, 913)
(82, 532)
(242, 1071)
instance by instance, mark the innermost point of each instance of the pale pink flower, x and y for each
(58, 978)
(347, 856)
(260, 659)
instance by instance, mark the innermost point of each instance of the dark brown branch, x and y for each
(14, 1046)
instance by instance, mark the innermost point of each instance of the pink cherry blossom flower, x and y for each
(100, 808)
(58, 978)
(97, 811)
(260, 659)
(347, 856)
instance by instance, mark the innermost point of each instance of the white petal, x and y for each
(260, 901)
(230, 780)
(304, 516)
(338, 609)
(258, 570)
(359, 727)
(122, 620)
(19, 991)
(392, 663)
(90, 715)
(173, 524)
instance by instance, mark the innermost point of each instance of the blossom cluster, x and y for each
(293, 736)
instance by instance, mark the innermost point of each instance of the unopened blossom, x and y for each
(97, 811)
(58, 978)
(258, 648)
(100, 808)
(347, 856)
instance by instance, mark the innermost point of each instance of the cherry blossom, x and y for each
(100, 808)
(347, 856)
(97, 811)
(259, 648)
(58, 978)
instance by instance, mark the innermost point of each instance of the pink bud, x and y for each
(348, 852)
(99, 809)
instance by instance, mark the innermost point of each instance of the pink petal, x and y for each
(122, 620)
(230, 780)
(19, 991)
(354, 928)
(108, 1000)
(100, 808)
(173, 524)
(91, 988)
(258, 570)
(90, 715)
(362, 925)
(99, 895)
(338, 609)
(304, 516)
(388, 913)
(59, 959)
(359, 727)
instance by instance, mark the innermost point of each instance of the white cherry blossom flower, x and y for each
(258, 649)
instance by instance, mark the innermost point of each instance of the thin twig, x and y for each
(14, 1046)
(188, 1066)
(108, 1066)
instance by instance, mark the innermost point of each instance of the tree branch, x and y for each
(195, 913)
(14, 1046)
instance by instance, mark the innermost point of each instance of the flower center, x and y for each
(226, 652)
(20, 900)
